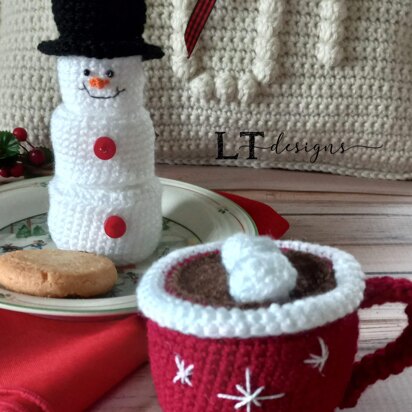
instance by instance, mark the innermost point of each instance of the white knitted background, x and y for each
(28, 80)
(322, 71)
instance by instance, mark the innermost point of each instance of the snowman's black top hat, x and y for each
(100, 29)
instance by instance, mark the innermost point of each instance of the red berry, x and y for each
(5, 172)
(20, 134)
(17, 170)
(37, 157)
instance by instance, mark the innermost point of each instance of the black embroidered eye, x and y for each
(110, 74)
(86, 72)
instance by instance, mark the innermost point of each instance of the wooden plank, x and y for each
(235, 178)
(380, 324)
(391, 395)
(137, 394)
(382, 259)
(347, 230)
(304, 203)
(340, 208)
(289, 197)
(320, 197)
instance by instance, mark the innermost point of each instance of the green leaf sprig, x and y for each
(9, 145)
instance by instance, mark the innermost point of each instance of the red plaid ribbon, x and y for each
(197, 22)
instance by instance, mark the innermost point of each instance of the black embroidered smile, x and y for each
(118, 92)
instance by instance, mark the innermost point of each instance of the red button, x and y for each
(105, 148)
(115, 227)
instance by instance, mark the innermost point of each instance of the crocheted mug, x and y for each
(254, 324)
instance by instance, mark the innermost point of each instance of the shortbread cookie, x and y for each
(57, 273)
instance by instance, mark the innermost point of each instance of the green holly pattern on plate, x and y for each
(193, 215)
(33, 233)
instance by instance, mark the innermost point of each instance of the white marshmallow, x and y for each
(257, 270)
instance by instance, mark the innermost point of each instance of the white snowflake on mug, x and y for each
(184, 373)
(248, 396)
(319, 361)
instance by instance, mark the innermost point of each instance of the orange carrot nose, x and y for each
(98, 83)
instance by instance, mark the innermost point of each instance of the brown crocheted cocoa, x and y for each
(204, 280)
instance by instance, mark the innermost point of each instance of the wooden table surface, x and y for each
(370, 219)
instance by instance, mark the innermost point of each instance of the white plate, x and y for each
(192, 215)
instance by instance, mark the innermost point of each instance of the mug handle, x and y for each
(397, 355)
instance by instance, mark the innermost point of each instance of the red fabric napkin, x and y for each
(49, 365)
(268, 222)
(64, 366)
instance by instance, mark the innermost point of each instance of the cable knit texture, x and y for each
(322, 71)
(289, 357)
(331, 31)
(28, 87)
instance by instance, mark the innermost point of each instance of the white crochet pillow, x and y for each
(321, 71)
(326, 72)
(28, 79)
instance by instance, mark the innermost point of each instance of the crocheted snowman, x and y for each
(105, 197)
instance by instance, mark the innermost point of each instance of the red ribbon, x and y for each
(197, 22)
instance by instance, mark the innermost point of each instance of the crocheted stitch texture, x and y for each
(209, 322)
(289, 358)
(322, 71)
(101, 29)
(77, 214)
(292, 356)
(104, 161)
(276, 364)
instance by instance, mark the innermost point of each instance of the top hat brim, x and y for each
(101, 49)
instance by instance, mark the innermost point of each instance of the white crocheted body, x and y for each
(77, 215)
(277, 319)
(74, 136)
(96, 182)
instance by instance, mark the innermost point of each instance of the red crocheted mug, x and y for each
(286, 355)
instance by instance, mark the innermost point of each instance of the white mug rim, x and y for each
(277, 319)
